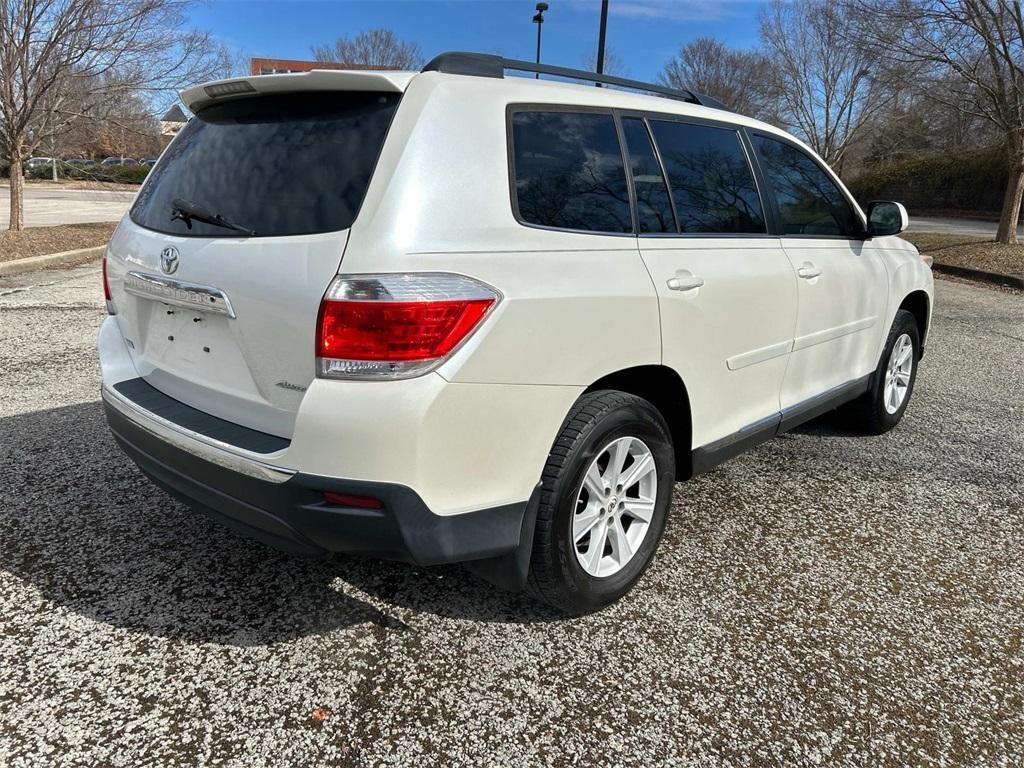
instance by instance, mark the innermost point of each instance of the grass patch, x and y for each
(39, 241)
(971, 252)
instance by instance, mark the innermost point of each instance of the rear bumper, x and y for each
(286, 509)
(460, 446)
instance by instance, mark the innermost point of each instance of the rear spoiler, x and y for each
(200, 96)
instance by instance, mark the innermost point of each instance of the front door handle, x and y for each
(808, 271)
(684, 281)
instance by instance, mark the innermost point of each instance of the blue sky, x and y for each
(642, 33)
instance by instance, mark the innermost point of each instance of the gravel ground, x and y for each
(822, 600)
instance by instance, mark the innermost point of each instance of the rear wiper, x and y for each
(188, 211)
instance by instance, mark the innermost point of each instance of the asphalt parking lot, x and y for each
(822, 600)
(955, 226)
(47, 206)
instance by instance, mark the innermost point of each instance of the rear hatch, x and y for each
(223, 319)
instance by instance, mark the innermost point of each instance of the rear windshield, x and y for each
(293, 164)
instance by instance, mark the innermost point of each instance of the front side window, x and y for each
(291, 164)
(712, 184)
(569, 172)
(653, 207)
(809, 201)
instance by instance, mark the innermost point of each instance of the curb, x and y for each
(1009, 281)
(83, 190)
(31, 263)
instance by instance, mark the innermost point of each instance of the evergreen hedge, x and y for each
(124, 174)
(973, 181)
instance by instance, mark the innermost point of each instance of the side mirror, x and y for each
(886, 218)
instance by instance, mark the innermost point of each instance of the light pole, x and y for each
(539, 20)
(600, 38)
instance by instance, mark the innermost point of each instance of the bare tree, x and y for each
(825, 87)
(63, 60)
(128, 130)
(734, 77)
(613, 64)
(378, 48)
(971, 54)
(916, 125)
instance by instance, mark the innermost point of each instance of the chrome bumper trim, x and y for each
(203, 447)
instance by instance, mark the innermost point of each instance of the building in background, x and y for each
(172, 122)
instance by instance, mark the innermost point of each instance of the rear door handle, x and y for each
(808, 271)
(684, 281)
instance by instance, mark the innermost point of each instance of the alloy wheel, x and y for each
(614, 506)
(897, 374)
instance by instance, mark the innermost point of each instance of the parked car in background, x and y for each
(119, 161)
(500, 325)
(148, 162)
(37, 162)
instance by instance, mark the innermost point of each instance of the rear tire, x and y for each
(607, 486)
(882, 407)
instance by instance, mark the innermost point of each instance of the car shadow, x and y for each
(831, 424)
(82, 526)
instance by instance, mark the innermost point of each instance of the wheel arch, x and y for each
(664, 389)
(918, 303)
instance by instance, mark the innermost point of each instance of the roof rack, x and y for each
(490, 65)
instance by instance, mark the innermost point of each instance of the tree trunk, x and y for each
(17, 193)
(1010, 216)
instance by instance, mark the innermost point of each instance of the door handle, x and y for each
(684, 281)
(808, 271)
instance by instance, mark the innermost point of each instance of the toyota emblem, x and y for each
(169, 260)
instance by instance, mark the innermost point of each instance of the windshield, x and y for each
(294, 164)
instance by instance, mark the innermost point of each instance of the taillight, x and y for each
(396, 326)
(111, 309)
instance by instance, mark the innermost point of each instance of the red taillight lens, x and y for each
(399, 330)
(111, 309)
(393, 326)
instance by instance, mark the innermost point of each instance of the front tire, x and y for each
(607, 486)
(882, 407)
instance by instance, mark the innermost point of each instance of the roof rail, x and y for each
(490, 65)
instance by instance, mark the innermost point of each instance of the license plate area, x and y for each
(175, 328)
(193, 345)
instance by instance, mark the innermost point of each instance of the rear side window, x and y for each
(293, 164)
(809, 201)
(654, 209)
(712, 184)
(569, 172)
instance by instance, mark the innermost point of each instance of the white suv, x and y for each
(450, 316)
